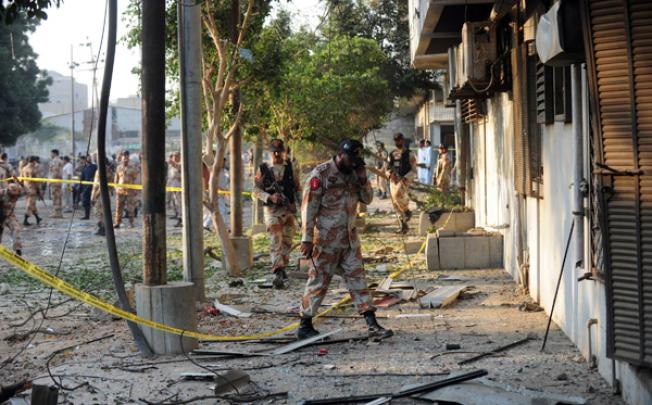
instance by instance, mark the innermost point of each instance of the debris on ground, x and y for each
(229, 310)
(441, 297)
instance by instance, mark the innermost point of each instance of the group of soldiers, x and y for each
(328, 201)
(30, 179)
(399, 168)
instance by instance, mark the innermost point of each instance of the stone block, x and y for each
(432, 252)
(496, 251)
(412, 246)
(172, 304)
(456, 221)
(424, 224)
(451, 253)
(243, 246)
(476, 252)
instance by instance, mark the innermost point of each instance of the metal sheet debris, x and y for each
(229, 310)
(305, 342)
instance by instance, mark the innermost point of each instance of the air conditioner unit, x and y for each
(473, 61)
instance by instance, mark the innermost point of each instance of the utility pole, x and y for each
(235, 160)
(153, 121)
(189, 23)
(72, 102)
(174, 303)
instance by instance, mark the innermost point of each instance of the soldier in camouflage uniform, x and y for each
(174, 180)
(6, 170)
(277, 186)
(32, 189)
(382, 186)
(8, 198)
(401, 170)
(56, 172)
(329, 236)
(126, 173)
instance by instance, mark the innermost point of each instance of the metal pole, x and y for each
(235, 160)
(561, 273)
(72, 102)
(153, 123)
(189, 23)
(578, 209)
(257, 160)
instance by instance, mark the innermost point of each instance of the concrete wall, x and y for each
(547, 222)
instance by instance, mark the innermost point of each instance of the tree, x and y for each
(221, 76)
(11, 10)
(384, 21)
(22, 84)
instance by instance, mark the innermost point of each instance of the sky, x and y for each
(78, 22)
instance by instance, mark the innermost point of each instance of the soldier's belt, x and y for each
(62, 286)
(114, 185)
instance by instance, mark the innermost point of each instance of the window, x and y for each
(562, 93)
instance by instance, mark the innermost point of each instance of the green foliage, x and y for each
(22, 84)
(385, 22)
(11, 10)
(445, 201)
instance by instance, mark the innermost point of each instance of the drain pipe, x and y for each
(578, 178)
(593, 362)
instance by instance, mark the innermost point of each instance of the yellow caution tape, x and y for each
(115, 185)
(51, 280)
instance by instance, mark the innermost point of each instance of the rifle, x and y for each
(268, 174)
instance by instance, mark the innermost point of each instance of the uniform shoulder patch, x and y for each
(322, 167)
(315, 183)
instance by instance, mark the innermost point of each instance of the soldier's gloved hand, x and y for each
(276, 198)
(306, 249)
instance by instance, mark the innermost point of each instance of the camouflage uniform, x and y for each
(175, 181)
(125, 197)
(6, 170)
(328, 216)
(56, 172)
(399, 189)
(96, 197)
(32, 188)
(381, 164)
(443, 174)
(8, 198)
(279, 219)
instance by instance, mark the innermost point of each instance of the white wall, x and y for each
(548, 222)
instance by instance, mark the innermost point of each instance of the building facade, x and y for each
(554, 157)
(60, 100)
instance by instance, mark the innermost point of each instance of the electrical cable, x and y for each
(116, 273)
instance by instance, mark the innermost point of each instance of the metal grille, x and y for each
(472, 110)
(620, 66)
(545, 98)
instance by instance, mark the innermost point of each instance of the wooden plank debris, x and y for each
(387, 301)
(441, 297)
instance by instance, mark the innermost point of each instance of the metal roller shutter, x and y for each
(619, 50)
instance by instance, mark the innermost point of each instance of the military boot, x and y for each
(179, 223)
(25, 221)
(376, 331)
(306, 329)
(100, 230)
(280, 278)
(19, 252)
(38, 219)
